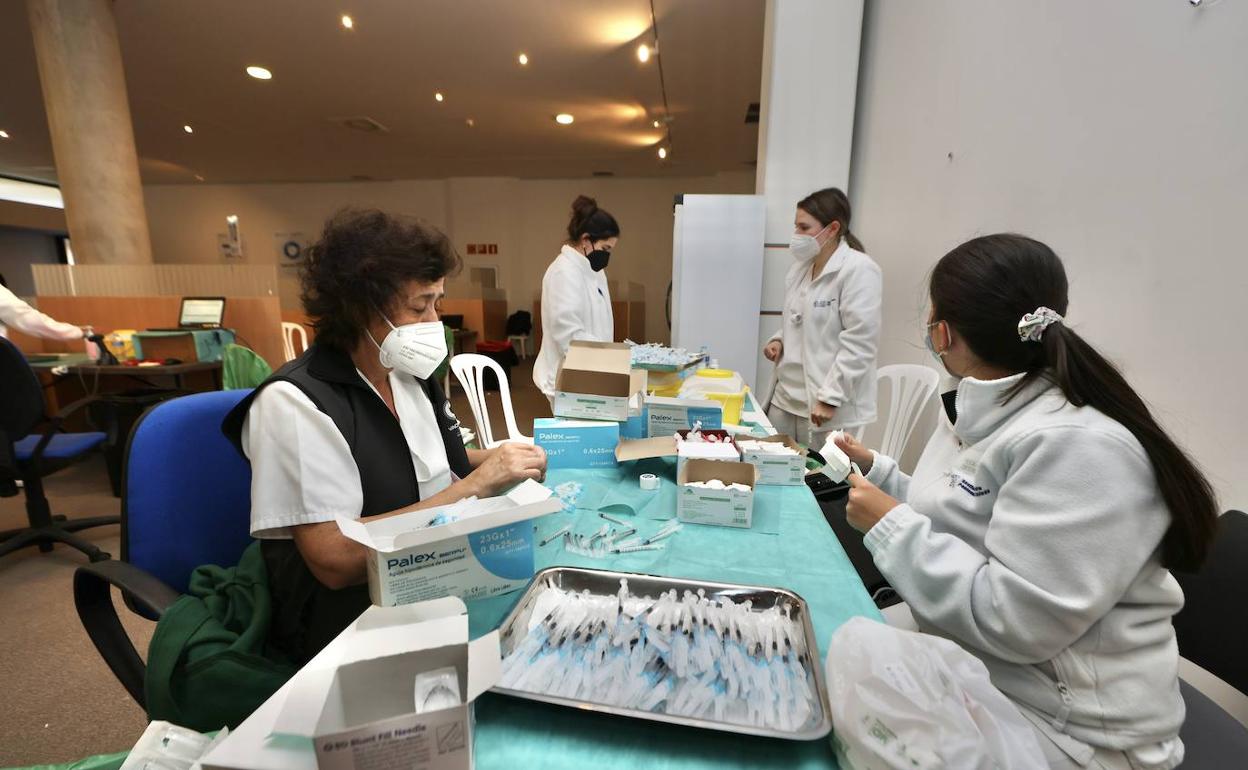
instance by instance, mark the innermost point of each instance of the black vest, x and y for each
(306, 614)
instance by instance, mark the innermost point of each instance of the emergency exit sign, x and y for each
(483, 248)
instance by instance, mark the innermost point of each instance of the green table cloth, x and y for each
(794, 549)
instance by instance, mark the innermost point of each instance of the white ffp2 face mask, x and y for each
(804, 247)
(414, 349)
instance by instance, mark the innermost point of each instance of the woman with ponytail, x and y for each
(825, 349)
(1043, 519)
(576, 303)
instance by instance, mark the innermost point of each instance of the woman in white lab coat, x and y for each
(576, 304)
(825, 351)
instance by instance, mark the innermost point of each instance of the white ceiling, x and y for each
(185, 63)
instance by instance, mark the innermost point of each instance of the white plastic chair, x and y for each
(469, 369)
(289, 332)
(910, 387)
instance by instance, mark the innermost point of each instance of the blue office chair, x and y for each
(186, 501)
(31, 456)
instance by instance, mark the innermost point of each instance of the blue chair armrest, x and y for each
(54, 425)
(94, 602)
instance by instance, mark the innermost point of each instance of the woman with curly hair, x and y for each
(357, 426)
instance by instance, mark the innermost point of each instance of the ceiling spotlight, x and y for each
(470, 122)
(4, 134)
(662, 153)
(523, 59)
(259, 73)
(437, 97)
(188, 129)
(656, 124)
(643, 53)
(564, 119)
(347, 21)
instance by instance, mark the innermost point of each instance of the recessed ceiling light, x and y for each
(188, 129)
(437, 97)
(4, 134)
(662, 153)
(259, 73)
(470, 122)
(523, 59)
(655, 124)
(564, 119)
(643, 53)
(347, 21)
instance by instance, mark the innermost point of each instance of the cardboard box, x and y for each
(780, 470)
(359, 710)
(635, 426)
(725, 450)
(723, 507)
(487, 551)
(577, 443)
(596, 381)
(665, 416)
(645, 448)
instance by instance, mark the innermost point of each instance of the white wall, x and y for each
(526, 218)
(1115, 131)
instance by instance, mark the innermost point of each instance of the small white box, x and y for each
(725, 449)
(360, 710)
(774, 469)
(487, 551)
(724, 507)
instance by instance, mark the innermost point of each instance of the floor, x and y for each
(62, 703)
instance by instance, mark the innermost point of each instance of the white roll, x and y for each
(649, 481)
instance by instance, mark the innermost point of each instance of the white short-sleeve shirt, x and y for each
(302, 471)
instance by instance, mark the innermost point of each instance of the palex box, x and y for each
(773, 469)
(361, 710)
(724, 507)
(596, 381)
(665, 416)
(577, 443)
(486, 550)
(724, 449)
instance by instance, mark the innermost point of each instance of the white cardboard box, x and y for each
(596, 381)
(486, 552)
(723, 507)
(353, 706)
(781, 470)
(665, 416)
(701, 450)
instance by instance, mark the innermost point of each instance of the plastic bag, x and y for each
(905, 700)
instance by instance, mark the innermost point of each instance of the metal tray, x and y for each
(607, 583)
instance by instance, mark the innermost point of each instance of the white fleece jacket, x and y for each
(1030, 534)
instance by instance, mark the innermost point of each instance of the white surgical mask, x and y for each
(805, 247)
(414, 349)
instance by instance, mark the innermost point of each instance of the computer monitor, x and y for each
(201, 312)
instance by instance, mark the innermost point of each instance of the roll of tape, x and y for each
(649, 481)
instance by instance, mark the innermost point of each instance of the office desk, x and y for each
(178, 372)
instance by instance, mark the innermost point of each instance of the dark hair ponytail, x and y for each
(983, 287)
(588, 219)
(831, 205)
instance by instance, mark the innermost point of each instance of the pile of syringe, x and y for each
(688, 655)
(608, 540)
(654, 354)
